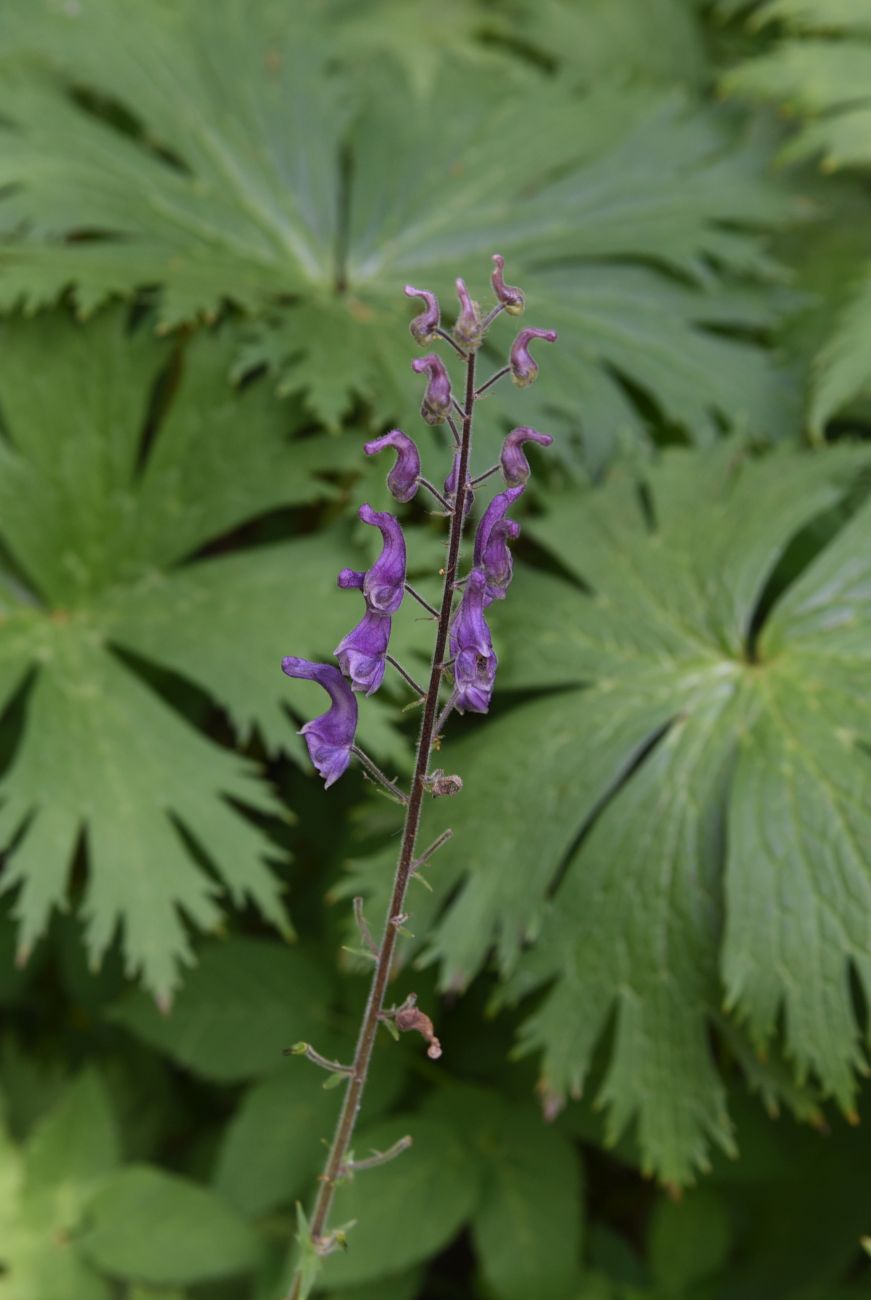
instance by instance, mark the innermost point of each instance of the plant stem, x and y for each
(405, 866)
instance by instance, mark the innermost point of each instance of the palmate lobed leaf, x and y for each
(820, 73)
(686, 821)
(120, 458)
(242, 196)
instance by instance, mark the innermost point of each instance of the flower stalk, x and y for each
(462, 658)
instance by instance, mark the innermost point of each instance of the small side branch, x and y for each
(306, 1050)
(415, 595)
(415, 686)
(431, 487)
(443, 334)
(491, 315)
(454, 430)
(479, 392)
(362, 927)
(433, 848)
(377, 1158)
(377, 775)
(481, 478)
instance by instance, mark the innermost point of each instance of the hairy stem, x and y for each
(405, 866)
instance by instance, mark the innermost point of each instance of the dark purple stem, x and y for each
(405, 866)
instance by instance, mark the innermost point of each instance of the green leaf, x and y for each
(641, 764)
(98, 516)
(526, 1229)
(157, 1227)
(258, 187)
(842, 371)
(407, 1210)
(688, 1240)
(71, 1152)
(245, 1001)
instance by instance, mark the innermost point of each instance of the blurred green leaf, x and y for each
(688, 1240)
(156, 1227)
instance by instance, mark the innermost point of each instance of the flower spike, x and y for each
(524, 368)
(384, 583)
(329, 738)
(515, 466)
(362, 654)
(424, 328)
(436, 403)
(512, 299)
(471, 645)
(403, 478)
(468, 329)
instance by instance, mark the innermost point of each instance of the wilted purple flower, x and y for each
(329, 738)
(437, 395)
(512, 299)
(491, 553)
(384, 583)
(467, 329)
(423, 327)
(472, 648)
(362, 653)
(403, 478)
(524, 369)
(515, 466)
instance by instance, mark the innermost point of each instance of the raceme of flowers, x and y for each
(363, 655)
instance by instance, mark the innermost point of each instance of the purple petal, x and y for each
(384, 583)
(329, 737)
(436, 403)
(423, 327)
(515, 466)
(403, 478)
(362, 653)
(467, 328)
(524, 368)
(511, 298)
(472, 648)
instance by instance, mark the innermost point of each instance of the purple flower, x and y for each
(472, 648)
(512, 299)
(423, 327)
(491, 554)
(467, 329)
(524, 369)
(437, 395)
(362, 653)
(329, 738)
(515, 466)
(384, 584)
(403, 478)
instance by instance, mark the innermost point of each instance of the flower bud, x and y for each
(423, 327)
(437, 394)
(511, 299)
(403, 478)
(524, 370)
(515, 466)
(468, 327)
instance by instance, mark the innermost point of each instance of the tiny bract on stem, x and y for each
(462, 671)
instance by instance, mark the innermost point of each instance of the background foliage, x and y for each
(652, 924)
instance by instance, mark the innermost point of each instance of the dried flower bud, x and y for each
(403, 478)
(384, 583)
(410, 1018)
(515, 466)
(362, 654)
(423, 327)
(442, 785)
(437, 394)
(524, 369)
(329, 738)
(512, 299)
(468, 329)
(472, 647)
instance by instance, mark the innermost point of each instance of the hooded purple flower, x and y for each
(472, 648)
(362, 653)
(524, 369)
(403, 478)
(384, 584)
(515, 466)
(437, 394)
(491, 553)
(512, 299)
(329, 738)
(468, 326)
(423, 327)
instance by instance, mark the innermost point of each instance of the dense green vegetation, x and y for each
(652, 923)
